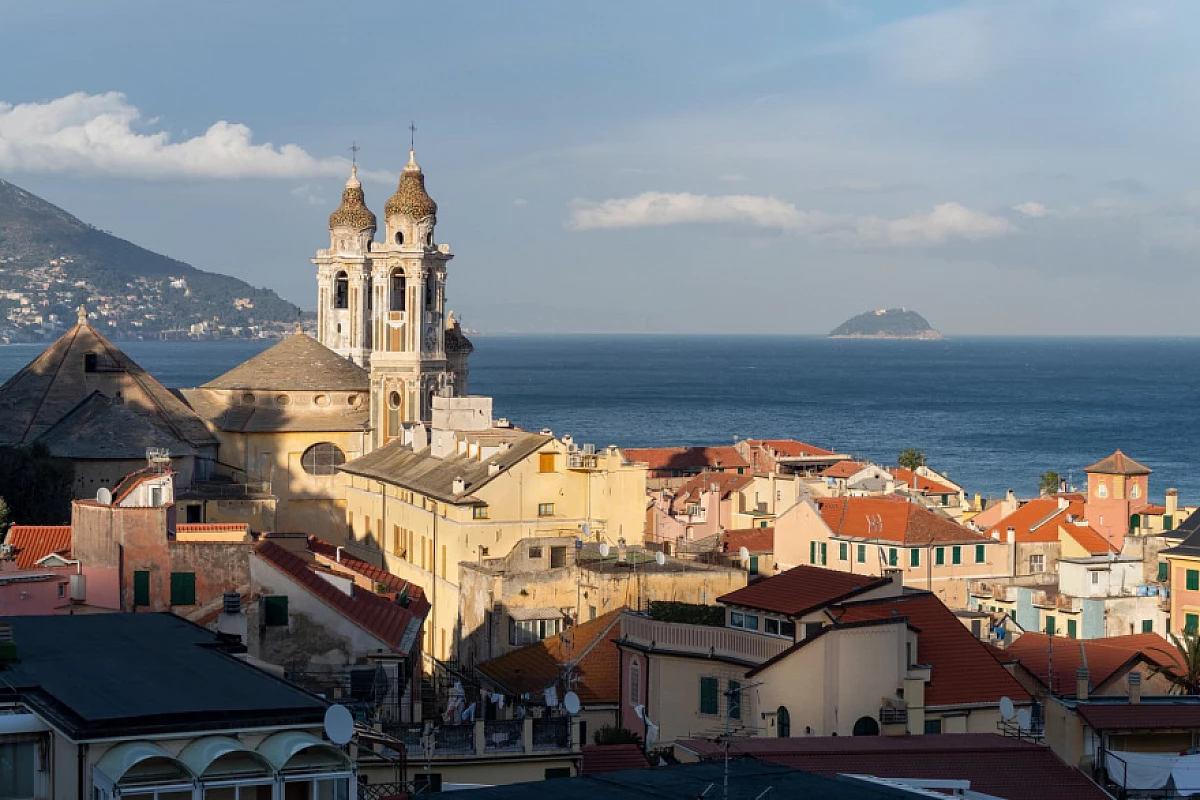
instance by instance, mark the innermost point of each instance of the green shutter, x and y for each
(933, 726)
(891, 556)
(1147, 626)
(1168, 522)
(1191, 623)
(862, 554)
(812, 552)
(1193, 580)
(735, 700)
(1162, 570)
(753, 570)
(956, 554)
(980, 554)
(275, 611)
(939, 556)
(914, 557)
(141, 588)
(183, 588)
(843, 551)
(709, 689)
(824, 553)
(1071, 629)
(1050, 625)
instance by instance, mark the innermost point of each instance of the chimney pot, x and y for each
(1083, 682)
(232, 602)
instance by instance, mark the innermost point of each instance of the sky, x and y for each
(1021, 167)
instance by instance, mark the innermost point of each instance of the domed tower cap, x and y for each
(353, 212)
(411, 199)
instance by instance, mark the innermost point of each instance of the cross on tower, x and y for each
(354, 148)
(412, 135)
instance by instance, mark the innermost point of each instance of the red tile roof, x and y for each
(687, 458)
(1040, 519)
(789, 448)
(924, 485)
(995, 765)
(131, 481)
(802, 589)
(32, 543)
(590, 645)
(892, 519)
(382, 617)
(756, 540)
(1106, 658)
(842, 469)
(964, 670)
(1119, 464)
(598, 758)
(1126, 716)
(1089, 539)
(725, 482)
(417, 602)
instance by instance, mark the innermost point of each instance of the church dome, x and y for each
(353, 212)
(410, 198)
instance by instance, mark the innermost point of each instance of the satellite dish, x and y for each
(587, 530)
(571, 703)
(1006, 708)
(743, 553)
(339, 725)
(1024, 720)
(604, 549)
(659, 558)
(104, 497)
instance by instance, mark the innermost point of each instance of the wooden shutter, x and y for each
(183, 588)
(141, 588)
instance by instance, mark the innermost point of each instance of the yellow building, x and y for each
(475, 489)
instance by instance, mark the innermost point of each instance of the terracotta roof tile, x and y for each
(598, 758)
(382, 617)
(1105, 657)
(802, 589)
(1125, 716)
(659, 458)
(892, 519)
(418, 603)
(925, 485)
(1118, 464)
(756, 540)
(32, 543)
(789, 448)
(842, 469)
(1089, 538)
(591, 645)
(964, 671)
(725, 482)
(1035, 521)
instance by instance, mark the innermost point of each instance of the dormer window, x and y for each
(89, 362)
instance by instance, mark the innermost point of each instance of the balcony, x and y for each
(701, 640)
(583, 461)
(500, 738)
(893, 715)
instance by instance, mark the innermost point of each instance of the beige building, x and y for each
(477, 489)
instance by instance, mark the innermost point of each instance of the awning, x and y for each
(224, 757)
(141, 762)
(293, 750)
(526, 614)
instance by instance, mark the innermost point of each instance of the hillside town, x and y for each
(332, 570)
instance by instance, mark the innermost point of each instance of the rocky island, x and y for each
(890, 323)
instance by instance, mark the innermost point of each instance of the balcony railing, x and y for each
(582, 461)
(704, 640)
(493, 736)
(893, 715)
(552, 733)
(503, 734)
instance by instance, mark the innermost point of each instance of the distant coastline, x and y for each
(926, 336)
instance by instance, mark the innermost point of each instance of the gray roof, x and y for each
(422, 472)
(1190, 529)
(98, 428)
(271, 419)
(106, 675)
(298, 363)
(748, 779)
(53, 384)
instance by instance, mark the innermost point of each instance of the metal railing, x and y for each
(503, 734)
(702, 639)
(893, 715)
(552, 733)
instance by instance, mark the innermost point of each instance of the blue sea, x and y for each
(993, 413)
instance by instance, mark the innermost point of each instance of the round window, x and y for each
(394, 400)
(283, 400)
(248, 399)
(322, 459)
(321, 399)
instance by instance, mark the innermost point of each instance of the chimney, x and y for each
(622, 551)
(1010, 496)
(1010, 535)
(493, 470)
(1135, 687)
(459, 486)
(232, 601)
(1172, 502)
(1083, 682)
(1063, 502)
(337, 554)
(894, 574)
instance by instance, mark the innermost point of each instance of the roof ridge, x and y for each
(50, 383)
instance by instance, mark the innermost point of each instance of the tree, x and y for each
(911, 458)
(1049, 482)
(37, 486)
(608, 734)
(1183, 665)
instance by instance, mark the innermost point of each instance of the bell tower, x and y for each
(344, 277)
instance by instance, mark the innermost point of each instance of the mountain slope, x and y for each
(57, 262)
(891, 323)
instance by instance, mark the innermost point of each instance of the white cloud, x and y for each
(1031, 209)
(101, 134)
(658, 209)
(307, 194)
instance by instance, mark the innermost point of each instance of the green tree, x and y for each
(1049, 482)
(608, 734)
(911, 458)
(36, 485)
(1183, 664)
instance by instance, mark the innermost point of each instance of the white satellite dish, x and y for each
(571, 703)
(743, 553)
(1024, 720)
(659, 558)
(604, 549)
(339, 724)
(1006, 708)
(104, 497)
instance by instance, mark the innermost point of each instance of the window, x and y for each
(843, 551)
(914, 557)
(933, 726)
(430, 291)
(558, 557)
(862, 554)
(1072, 628)
(753, 568)
(545, 462)
(939, 556)
(709, 696)
(811, 629)
(779, 627)
(535, 552)
(1162, 570)
(1037, 563)
(275, 611)
(956, 555)
(545, 509)
(740, 619)
(1095, 577)
(1102, 491)
(397, 291)
(1050, 625)
(341, 291)
(551, 772)
(183, 588)
(980, 553)
(735, 700)
(322, 459)
(783, 723)
(892, 556)
(479, 512)
(141, 588)
(155, 496)
(62, 590)
(89, 362)
(529, 631)
(1147, 626)
(1191, 623)
(1135, 492)
(18, 760)
(635, 681)
(818, 553)
(1193, 580)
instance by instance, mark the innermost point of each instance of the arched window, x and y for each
(398, 288)
(370, 294)
(429, 239)
(430, 291)
(322, 459)
(866, 726)
(394, 403)
(341, 291)
(399, 237)
(635, 681)
(783, 723)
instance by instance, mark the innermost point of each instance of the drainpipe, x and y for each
(82, 755)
